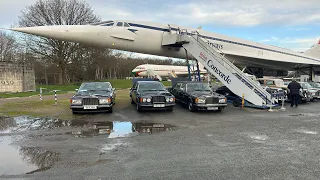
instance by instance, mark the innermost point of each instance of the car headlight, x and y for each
(168, 99)
(222, 100)
(148, 99)
(200, 100)
(76, 101)
(104, 101)
(143, 99)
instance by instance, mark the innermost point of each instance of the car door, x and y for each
(183, 94)
(175, 90)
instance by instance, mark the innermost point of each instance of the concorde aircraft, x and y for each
(164, 70)
(146, 37)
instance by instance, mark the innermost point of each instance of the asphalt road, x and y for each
(234, 144)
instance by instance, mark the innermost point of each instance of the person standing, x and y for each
(294, 88)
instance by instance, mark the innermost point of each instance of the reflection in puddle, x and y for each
(90, 128)
(147, 127)
(121, 129)
(24, 123)
(20, 160)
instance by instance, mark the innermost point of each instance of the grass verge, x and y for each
(116, 83)
(47, 107)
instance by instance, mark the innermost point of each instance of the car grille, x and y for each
(212, 100)
(158, 99)
(90, 101)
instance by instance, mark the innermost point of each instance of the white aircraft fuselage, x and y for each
(164, 70)
(146, 37)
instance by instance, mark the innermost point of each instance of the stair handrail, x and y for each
(224, 59)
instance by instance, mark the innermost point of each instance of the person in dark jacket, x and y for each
(294, 88)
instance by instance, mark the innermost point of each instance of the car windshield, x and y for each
(316, 85)
(151, 87)
(95, 86)
(198, 87)
(306, 85)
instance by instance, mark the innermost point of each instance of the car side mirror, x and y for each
(113, 89)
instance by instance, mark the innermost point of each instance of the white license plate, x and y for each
(90, 107)
(158, 105)
(212, 108)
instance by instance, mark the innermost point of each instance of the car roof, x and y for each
(148, 82)
(191, 82)
(97, 82)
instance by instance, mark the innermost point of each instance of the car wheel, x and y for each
(236, 103)
(190, 106)
(138, 108)
(170, 109)
(74, 112)
(111, 109)
(132, 102)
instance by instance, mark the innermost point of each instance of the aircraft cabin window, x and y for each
(119, 24)
(126, 25)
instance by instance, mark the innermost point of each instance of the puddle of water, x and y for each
(307, 131)
(17, 160)
(87, 128)
(26, 123)
(121, 129)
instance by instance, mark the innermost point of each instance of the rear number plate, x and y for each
(158, 105)
(90, 107)
(212, 108)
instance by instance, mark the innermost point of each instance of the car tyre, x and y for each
(111, 109)
(132, 102)
(170, 109)
(74, 112)
(138, 108)
(236, 103)
(190, 106)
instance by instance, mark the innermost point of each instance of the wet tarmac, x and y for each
(233, 144)
(16, 159)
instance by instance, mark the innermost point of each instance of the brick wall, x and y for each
(14, 77)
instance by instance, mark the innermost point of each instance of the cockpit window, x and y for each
(119, 24)
(109, 24)
(126, 25)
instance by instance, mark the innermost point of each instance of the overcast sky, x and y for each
(292, 24)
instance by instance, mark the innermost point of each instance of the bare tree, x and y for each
(8, 47)
(56, 12)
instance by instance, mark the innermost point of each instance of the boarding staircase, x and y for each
(151, 72)
(219, 66)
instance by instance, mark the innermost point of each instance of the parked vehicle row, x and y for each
(148, 95)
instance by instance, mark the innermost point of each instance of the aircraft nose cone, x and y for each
(46, 31)
(73, 33)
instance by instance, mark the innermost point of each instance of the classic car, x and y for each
(151, 95)
(198, 96)
(93, 97)
(309, 90)
(316, 86)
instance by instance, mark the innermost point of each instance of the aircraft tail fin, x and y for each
(314, 51)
